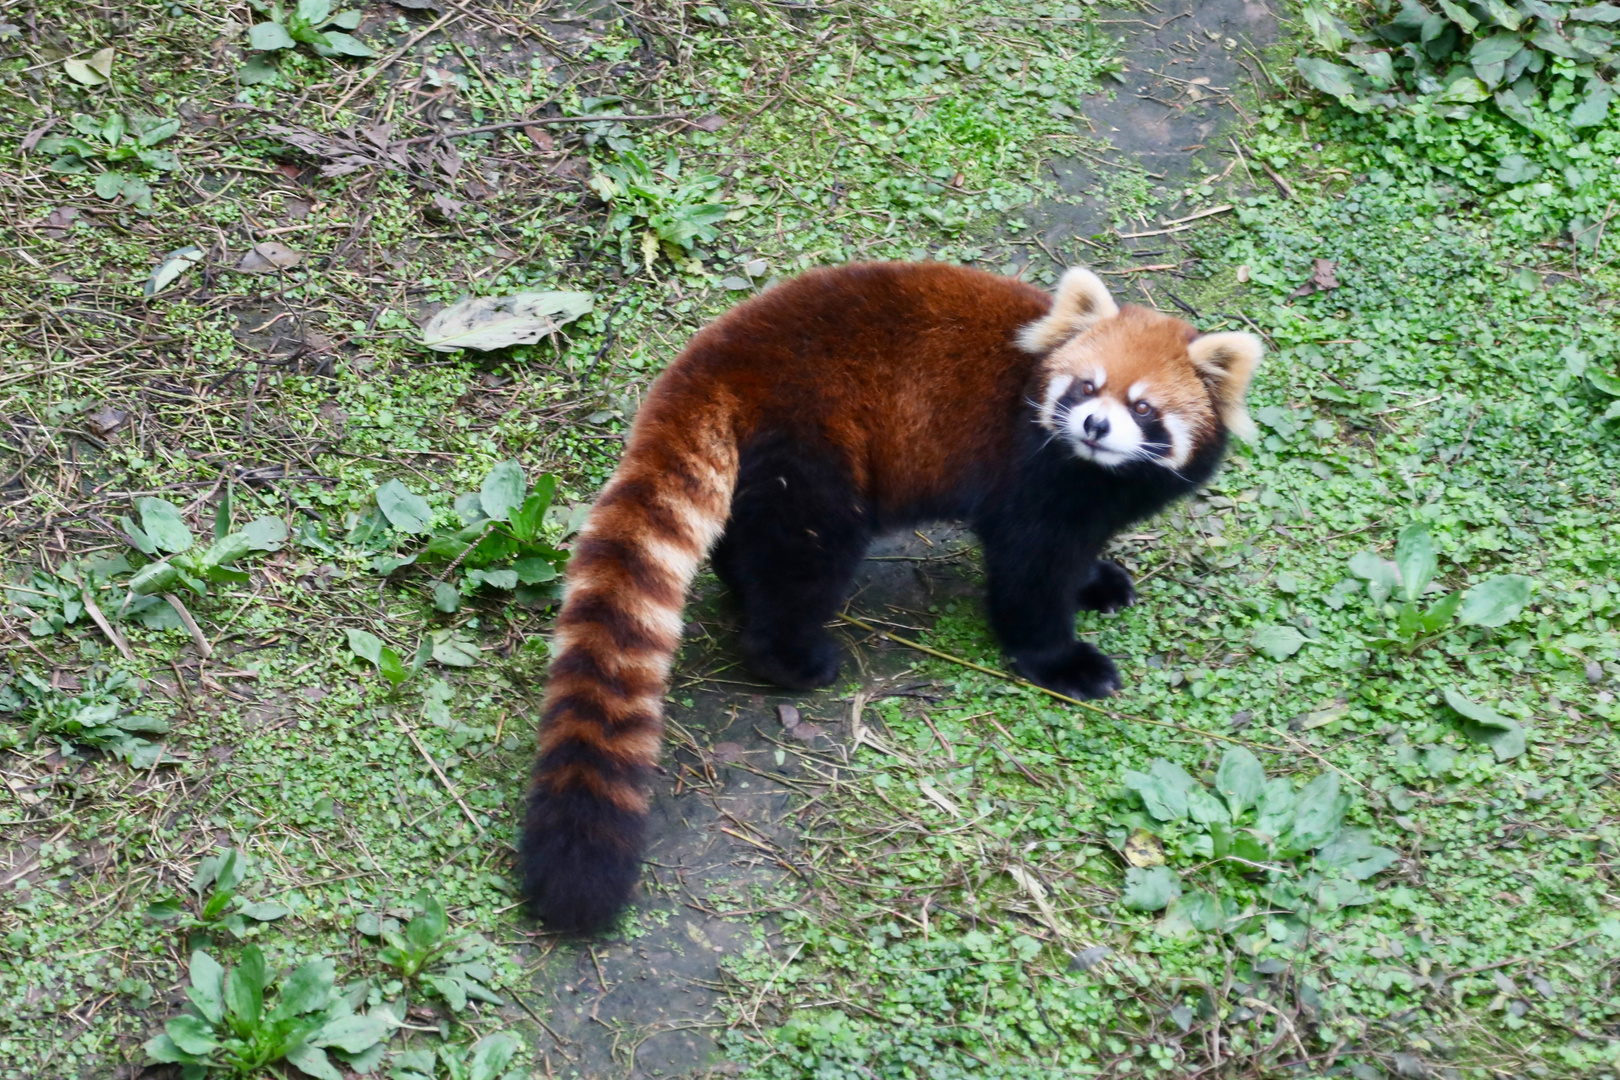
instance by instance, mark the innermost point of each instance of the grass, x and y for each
(970, 893)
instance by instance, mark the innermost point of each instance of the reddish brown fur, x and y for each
(910, 376)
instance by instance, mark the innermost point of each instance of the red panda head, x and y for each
(1132, 384)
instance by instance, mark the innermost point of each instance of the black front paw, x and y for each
(1108, 589)
(1077, 670)
(804, 661)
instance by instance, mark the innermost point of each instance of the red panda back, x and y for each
(909, 373)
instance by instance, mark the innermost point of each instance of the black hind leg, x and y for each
(790, 551)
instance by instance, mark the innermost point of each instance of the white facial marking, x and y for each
(1134, 394)
(1099, 378)
(1102, 430)
(1054, 390)
(1180, 440)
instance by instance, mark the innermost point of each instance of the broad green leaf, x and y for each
(265, 533)
(1240, 779)
(428, 929)
(1465, 90)
(233, 870)
(1503, 13)
(164, 1050)
(404, 509)
(454, 994)
(244, 986)
(446, 598)
(1203, 807)
(264, 911)
(502, 490)
(1495, 601)
(1379, 65)
(314, 11)
(1598, 13)
(341, 44)
(528, 519)
(365, 644)
(173, 265)
(1494, 49)
(227, 549)
(1415, 559)
(492, 1054)
(207, 989)
(1278, 642)
(484, 322)
(307, 989)
(1594, 108)
(534, 571)
(1377, 573)
(268, 36)
(137, 537)
(353, 1034)
(1203, 911)
(1508, 744)
(159, 132)
(192, 1034)
(1459, 15)
(1330, 78)
(110, 184)
(1274, 810)
(161, 521)
(1163, 789)
(1318, 813)
(158, 577)
(312, 1061)
(1354, 853)
(1150, 888)
(1440, 613)
(91, 71)
(260, 68)
(391, 667)
(498, 579)
(1479, 714)
(346, 20)
(454, 651)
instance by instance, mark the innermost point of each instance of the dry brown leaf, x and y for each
(1144, 849)
(269, 256)
(1323, 279)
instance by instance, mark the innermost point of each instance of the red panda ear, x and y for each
(1082, 299)
(1229, 360)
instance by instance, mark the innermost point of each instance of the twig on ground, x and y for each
(443, 779)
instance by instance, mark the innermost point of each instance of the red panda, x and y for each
(798, 425)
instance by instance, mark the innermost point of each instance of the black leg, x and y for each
(1108, 589)
(790, 551)
(1035, 588)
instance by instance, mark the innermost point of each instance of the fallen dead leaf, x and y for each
(59, 222)
(1144, 849)
(711, 122)
(540, 137)
(1323, 279)
(106, 420)
(268, 256)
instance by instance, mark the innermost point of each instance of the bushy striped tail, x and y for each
(620, 625)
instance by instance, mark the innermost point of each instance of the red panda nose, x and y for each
(1095, 426)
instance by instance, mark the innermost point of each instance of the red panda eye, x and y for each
(1142, 408)
(1088, 387)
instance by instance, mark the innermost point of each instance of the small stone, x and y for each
(1594, 672)
(788, 715)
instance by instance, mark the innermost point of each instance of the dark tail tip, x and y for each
(579, 859)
